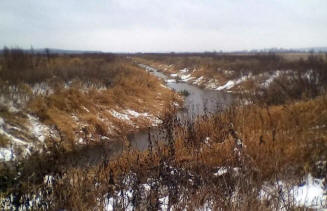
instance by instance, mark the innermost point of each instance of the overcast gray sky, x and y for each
(163, 25)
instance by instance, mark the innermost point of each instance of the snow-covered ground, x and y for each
(171, 81)
(128, 115)
(42, 89)
(271, 78)
(6, 154)
(193, 76)
(39, 130)
(235, 84)
(22, 137)
(231, 83)
(312, 193)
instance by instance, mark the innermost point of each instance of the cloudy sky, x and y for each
(163, 25)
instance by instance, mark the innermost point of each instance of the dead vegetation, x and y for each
(199, 164)
(254, 72)
(219, 161)
(85, 97)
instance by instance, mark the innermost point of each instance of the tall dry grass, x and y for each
(278, 143)
(220, 161)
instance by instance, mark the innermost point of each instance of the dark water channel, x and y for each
(198, 102)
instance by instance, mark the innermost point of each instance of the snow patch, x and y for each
(221, 171)
(9, 104)
(134, 113)
(228, 85)
(272, 77)
(231, 83)
(198, 80)
(85, 109)
(12, 138)
(155, 120)
(164, 203)
(311, 194)
(224, 169)
(42, 89)
(39, 130)
(6, 154)
(183, 77)
(211, 84)
(171, 81)
(185, 70)
(128, 114)
(186, 77)
(119, 115)
(81, 140)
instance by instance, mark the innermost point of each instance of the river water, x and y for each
(197, 103)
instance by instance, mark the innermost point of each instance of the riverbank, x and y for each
(241, 74)
(75, 100)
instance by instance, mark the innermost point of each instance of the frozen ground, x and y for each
(312, 193)
(193, 76)
(128, 115)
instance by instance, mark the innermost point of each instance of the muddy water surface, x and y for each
(198, 102)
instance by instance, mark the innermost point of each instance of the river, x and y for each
(198, 102)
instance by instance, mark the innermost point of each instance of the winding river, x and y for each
(198, 102)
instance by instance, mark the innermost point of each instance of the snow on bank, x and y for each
(311, 194)
(186, 77)
(7, 103)
(128, 115)
(147, 68)
(119, 115)
(42, 89)
(185, 70)
(6, 154)
(231, 83)
(171, 81)
(17, 136)
(198, 80)
(39, 130)
(13, 138)
(271, 78)
(224, 170)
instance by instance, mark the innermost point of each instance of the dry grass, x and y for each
(131, 89)
(83, 89)
(281, 142)
(296, 76)
(4, 141)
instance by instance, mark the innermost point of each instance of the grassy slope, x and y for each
(80, 94)
(218, 69)
(282, 143)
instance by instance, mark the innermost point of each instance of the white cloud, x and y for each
(156, 25)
